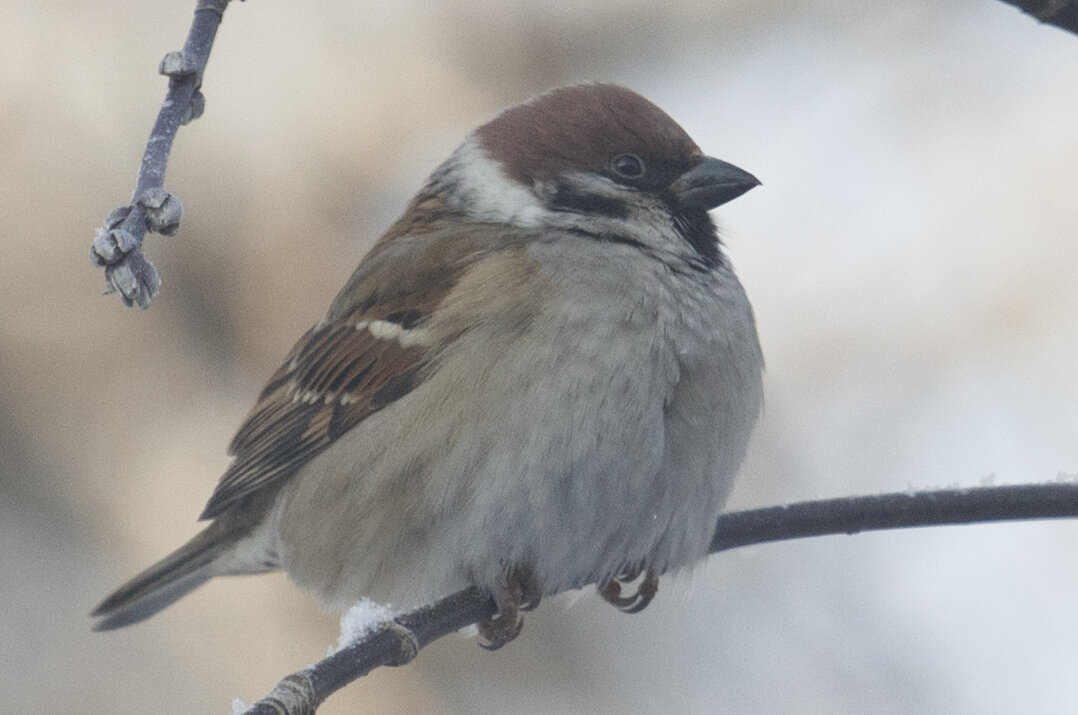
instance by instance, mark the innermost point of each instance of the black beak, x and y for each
(711, 183)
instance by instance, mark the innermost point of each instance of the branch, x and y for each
(1061, 13)
(117, 247)
(397, 641)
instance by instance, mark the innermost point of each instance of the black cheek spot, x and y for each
(567, 198)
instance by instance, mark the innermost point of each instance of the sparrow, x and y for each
(544, 375)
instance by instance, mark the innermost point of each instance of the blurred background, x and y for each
(912, 257)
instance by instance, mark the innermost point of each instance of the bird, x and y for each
(543, 375)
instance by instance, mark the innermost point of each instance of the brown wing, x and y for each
(336, 375)
(369, 352)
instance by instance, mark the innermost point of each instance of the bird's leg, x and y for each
(636, 602)
(519, 592)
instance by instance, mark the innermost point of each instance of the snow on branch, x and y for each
(395, 641)
(117, 247)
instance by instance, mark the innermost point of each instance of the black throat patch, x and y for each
(699, 231)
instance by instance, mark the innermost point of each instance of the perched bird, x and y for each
(543, 375)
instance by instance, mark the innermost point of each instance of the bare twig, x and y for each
(1061, 13)
(396, 642)
(118, 244)
(118, 248)
(850, 515)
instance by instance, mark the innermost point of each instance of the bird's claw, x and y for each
(520, 592)
(637, 601)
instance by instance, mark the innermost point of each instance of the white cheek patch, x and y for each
(484, 192)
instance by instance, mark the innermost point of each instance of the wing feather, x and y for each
(368, 353)
(335, 377)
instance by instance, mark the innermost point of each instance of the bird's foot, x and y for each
(519, 592)
(634, 602)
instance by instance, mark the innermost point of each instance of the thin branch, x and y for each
(851, 515)
(1061, 13)
(117, 247)
(396, 642)
(393, 643)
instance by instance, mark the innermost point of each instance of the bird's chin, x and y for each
(699, 231)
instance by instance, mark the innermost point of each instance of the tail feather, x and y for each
(162, 584)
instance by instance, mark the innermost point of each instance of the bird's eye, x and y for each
(627, 166)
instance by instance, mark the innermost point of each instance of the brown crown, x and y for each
(584, 127)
